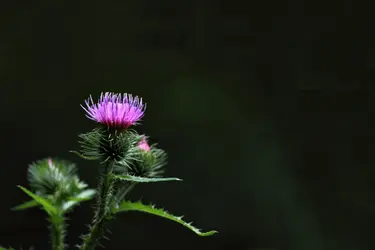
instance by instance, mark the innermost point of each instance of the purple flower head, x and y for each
(115, 110)
(143, 145)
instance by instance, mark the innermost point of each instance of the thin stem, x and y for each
(104, 199)
(123, 191)
(57, 232)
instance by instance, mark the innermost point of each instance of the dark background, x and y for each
(263, 106)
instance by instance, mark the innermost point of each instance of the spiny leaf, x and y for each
(48, 207)
(138, 206)
(26, 205)
(91, 158)
(57, 178)
(83, 196)
(133, 178)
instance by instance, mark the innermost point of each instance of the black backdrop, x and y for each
(263, 106)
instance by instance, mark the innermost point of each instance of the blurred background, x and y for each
(263, 106)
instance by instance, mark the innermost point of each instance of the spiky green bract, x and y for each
(147, 164)
(107, 144)
(56, 179)
(138, 206)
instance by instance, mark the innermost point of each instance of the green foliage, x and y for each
(26, 205)
(133, 178)
(46, 204)
(55, 217)
(57, 189)
(138, 206)
(56, 184)
(85, 195)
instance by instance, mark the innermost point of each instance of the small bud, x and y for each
(50, 164)
(150, 160)
(143, 145)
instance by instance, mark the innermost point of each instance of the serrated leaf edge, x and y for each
(139, 206)
(133, 178)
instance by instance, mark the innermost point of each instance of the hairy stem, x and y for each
(105, 191)
(57, 232)
(104, 200)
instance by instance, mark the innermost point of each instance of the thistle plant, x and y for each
(56, 188)
(125, 159)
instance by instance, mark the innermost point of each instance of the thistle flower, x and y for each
(143, 145)
(118, 111)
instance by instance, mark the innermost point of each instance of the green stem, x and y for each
(105, 191)
(123, 191)
(57, 232)
(104, 199)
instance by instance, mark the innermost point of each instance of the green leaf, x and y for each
(138, 206)
(48, 207)
(133, 178)
(90, 158)
(26, 205)
(82, 196)
(3, 248)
